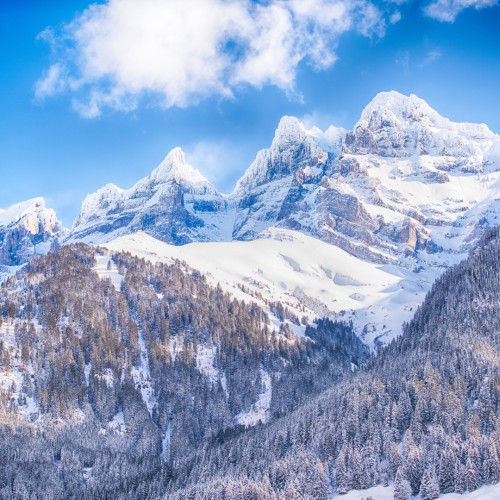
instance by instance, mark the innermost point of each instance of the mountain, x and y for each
(405, 186)
(218, 346)
(27, 228)
(406, 191)
(175, 203)
(273, 184)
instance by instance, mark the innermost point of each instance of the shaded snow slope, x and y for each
(308, 276)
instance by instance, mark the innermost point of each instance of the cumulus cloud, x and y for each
(448, 10)
(178, 52)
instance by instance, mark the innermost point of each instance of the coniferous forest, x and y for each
(125, 410)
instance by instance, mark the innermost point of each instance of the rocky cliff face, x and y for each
(281, 176)
(405, 185)
(26, 229)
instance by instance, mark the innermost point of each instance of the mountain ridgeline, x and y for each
(405, 186)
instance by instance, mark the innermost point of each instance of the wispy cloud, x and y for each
(432, 56)
(448, 10)
(51, 83)
(179, 52)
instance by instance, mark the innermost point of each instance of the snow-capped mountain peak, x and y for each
(395, 125)
(294, 146)
(107, 197)
(290, 130)
(171, 203)
(25, 228)
(400, 106)
(30, 214)
(175, 168)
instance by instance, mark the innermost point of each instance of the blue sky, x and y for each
(91, 95)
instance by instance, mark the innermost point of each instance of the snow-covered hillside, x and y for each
(310, 277)
(491, 492)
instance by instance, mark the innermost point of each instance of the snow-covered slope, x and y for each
(310, 277)
(175, 203)
(27, 228)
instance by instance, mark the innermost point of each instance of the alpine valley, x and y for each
(331, 325)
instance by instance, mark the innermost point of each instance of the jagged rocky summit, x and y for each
(175, 204)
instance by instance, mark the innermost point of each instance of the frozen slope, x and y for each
(310, 277)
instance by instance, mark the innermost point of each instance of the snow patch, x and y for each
(117, 424)
(107, 269)
(260, 409)
(387, 493)
(142, 376)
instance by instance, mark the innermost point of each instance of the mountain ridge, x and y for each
(326, 184)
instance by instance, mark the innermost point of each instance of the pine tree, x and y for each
(429, 488)
(447, 472)
(402, 488)
(342, 476)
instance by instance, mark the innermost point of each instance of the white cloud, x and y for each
(318, 119)
(395, 18)
(51, 83)
(448, 10)
(181, 51)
